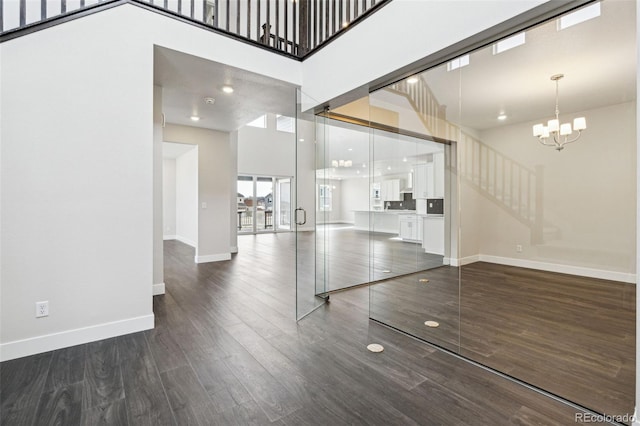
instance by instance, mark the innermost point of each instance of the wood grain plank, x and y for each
(189, 400)
(103, 378)
(61, 406)
(147, 403)
(23, 381)
(112, 414)
(67, 367)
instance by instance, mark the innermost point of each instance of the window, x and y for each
(285, 124)
(509, 43)
(324, 198)
(260, 122)
(579, 16)
(458, 63)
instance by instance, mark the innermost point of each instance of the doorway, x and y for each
(263, 204)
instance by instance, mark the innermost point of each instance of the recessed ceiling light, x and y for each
(404, 160)
(357, 172)
(502, 117)
(388, 167)
(209, 101)
(412, 80)
(227, 89)
(364, 165)
(301, 140)
(195, 118)
(349, 149)
(345, 25)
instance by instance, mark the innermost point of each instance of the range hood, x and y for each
(409, 186)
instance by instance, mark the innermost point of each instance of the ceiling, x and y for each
(394, 154)
(186, 80)
(597, 57)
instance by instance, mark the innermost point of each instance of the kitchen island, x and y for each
(385, 221)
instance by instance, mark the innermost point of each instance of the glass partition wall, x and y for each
(537, 274)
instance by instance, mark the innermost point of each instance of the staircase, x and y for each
(510, 185)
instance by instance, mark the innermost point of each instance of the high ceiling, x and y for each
(597, 57)
(186, 80)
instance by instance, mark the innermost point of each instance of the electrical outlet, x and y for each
(518, 248)
(42, 309)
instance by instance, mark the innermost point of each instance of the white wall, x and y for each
(266, 151)
(233, 200)
(158, 249)
(589, 195)
(187, 197)
(77, 184)
(336, 70)
(169, 198)
(355, 196)
(214, 188)
(77, 189)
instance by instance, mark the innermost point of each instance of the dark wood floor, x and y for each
(572, 336)
(226, 350)
(351, 257)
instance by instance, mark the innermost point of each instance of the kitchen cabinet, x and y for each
(433, 235)
(429, 178)
(438, 175)
(423, 181)
(410, 228)
(390, 190)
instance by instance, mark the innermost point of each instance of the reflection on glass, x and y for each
(546, 238)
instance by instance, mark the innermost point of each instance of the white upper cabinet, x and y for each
(428, 179)
(390, 190)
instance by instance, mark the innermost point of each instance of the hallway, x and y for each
(226, 350)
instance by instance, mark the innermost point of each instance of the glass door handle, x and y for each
(304, 220)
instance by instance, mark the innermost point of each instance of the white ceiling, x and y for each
(597, 57)
(394, 154)
(175, 150)
(186, 80)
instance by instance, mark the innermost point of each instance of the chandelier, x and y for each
(341, 163)
(556, 134)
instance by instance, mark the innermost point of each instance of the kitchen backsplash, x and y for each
(407, 204)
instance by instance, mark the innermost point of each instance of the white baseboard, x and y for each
(234, 249)
(213, 258)
(549, 267)
(186, 241)
(158, 289)
(64, 339)
(168, 237)
(461, 261)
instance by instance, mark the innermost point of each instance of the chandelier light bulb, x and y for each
(555, 134)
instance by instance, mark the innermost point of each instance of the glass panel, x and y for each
(545, 234)
(310, 242)
(343, 202)
(283, 204)
(414, 235)
(246, 204)
(549, 301)
(264, 204)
